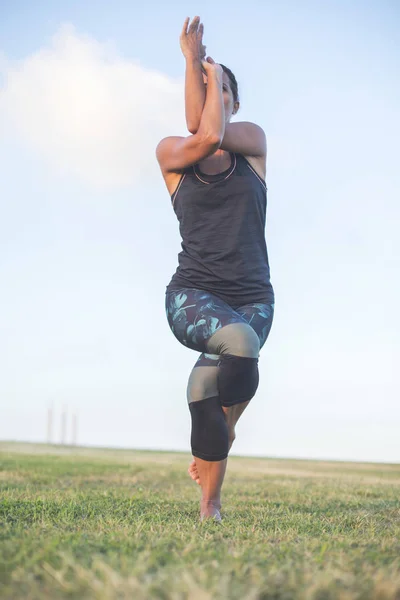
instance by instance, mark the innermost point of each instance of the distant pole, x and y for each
(64, 425)
(50, 424)
(74, 429)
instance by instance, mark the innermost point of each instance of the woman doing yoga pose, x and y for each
(220, 301)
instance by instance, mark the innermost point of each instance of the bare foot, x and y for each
(192, 470)
(210, 510)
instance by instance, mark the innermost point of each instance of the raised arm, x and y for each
(177, 153)
(191, 42)
(242, 137)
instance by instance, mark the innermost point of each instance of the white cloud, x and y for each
(89, 112)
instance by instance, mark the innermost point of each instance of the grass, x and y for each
(82, 523)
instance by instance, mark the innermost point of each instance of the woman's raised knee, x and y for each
(238, 339)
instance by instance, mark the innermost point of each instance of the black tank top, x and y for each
(222, 224)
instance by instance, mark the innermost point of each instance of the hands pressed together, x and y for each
(191, 41)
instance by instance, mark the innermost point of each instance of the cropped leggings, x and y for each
(226, 372)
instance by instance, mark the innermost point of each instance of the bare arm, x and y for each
(177, 153)
(195, 93)
(191, 42)
(244, 138)
(213, 117)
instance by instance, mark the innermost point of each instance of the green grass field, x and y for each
(85, 523)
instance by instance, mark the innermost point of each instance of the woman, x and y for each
(220, 301)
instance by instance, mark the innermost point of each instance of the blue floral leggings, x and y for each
(205, 323)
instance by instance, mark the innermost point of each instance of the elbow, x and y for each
(209, 139)
(193, 123)
(214, 140)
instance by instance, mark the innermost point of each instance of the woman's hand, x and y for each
(210, 67)
(191, 40)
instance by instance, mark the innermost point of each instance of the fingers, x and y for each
(184, 29)
(193, 27)
(194, 24)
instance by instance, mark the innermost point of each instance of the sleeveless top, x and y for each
(222, 221)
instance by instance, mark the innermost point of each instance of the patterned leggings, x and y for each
(203, 322)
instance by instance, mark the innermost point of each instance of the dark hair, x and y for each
(233, 83)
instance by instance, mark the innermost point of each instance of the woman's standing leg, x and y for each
(229, 377)
(210, 434)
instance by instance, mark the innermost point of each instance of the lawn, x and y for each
(102, 524)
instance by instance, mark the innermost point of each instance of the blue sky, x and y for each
(89, 240)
